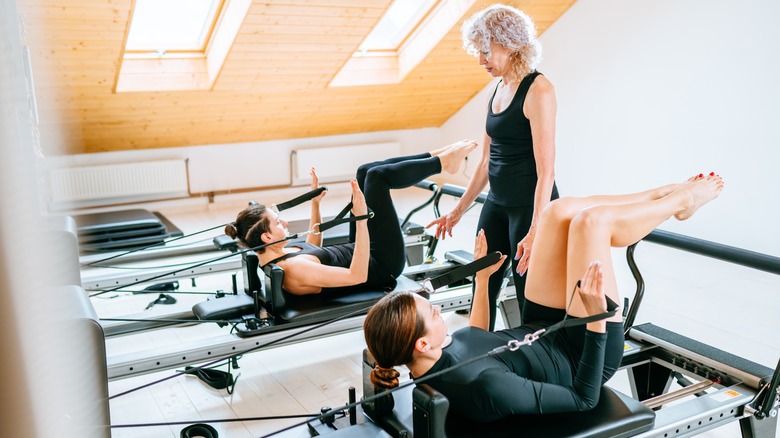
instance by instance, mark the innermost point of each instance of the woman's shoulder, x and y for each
(541, 86)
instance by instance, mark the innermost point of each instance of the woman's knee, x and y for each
(362, 171)
(561, 209)
(589, 220)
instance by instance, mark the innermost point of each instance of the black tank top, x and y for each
(512, 167)
(341, 256)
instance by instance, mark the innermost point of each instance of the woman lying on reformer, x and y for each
(570, 273)
(375, 256)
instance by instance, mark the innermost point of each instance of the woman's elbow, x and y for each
(588, 403)
(359, 277)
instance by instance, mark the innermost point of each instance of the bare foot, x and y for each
(452, 158)
(701, 190)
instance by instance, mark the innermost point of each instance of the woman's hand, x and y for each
(480, 250)
(315, 184)
(445, 224)
(359, 207)
(523, 254)
(591, 289)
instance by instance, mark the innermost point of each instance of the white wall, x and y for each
(651, 92)
(252, 165)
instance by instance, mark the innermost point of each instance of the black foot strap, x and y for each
(215, 378)
(462, 272)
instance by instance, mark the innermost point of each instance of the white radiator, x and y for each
(337, 163)
(116, 183)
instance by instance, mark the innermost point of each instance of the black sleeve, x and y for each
(499, 393)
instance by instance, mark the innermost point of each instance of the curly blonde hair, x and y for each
(508, 27)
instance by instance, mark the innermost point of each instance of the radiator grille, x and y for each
(119, 182)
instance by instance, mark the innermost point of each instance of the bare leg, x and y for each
(617, 221)
(547, 268)
(594, 230)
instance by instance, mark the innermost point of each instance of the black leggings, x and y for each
(504, 228)
(574, 337)
(376, 180)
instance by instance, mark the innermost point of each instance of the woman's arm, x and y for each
(316, 217)
(480, 310)
(305, 276)
(477, 183)
(540, 108)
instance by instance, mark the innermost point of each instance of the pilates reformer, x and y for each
(153, 263)
(264, 313)
(739, 389)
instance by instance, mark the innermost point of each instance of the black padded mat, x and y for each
(101, 223)
(123, 230)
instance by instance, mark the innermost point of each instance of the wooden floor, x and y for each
(729, 307)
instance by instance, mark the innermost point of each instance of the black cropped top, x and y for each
(341, 256)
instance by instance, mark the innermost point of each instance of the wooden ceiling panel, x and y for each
(273, 85)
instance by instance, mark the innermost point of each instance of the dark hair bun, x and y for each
(384, 377)
(231, 230)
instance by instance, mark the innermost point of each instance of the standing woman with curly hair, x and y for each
(518, 153)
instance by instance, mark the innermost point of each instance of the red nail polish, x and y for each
(701, 175)
(712, 173)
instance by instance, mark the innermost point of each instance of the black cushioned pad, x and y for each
(120, 230)
(319, 306)
(116, 221)
(227, 307)
(616, 416)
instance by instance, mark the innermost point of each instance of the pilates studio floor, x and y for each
(729, 307)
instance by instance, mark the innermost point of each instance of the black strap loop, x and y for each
(217, 379)
(199, 430)
(464, 271)
(300, 199)
(340, 219)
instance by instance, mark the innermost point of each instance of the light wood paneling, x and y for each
(274, 83)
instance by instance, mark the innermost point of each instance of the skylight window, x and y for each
(398, 22)
(403, 37)
(164, 26)
(178, 44)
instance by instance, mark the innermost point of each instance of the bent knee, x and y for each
(588, 219)
(561, 209)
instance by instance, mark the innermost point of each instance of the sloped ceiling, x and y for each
(273, 84)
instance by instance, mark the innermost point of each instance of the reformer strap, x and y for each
(571, 322)
(340, 219)
(464, 271)
(299, 200)
(217, 379)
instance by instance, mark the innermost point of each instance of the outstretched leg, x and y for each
(593, 231)
(576, 231)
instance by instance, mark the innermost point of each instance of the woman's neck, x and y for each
(270, 253)
(423, 362)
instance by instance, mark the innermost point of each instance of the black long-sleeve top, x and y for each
(537, 379)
